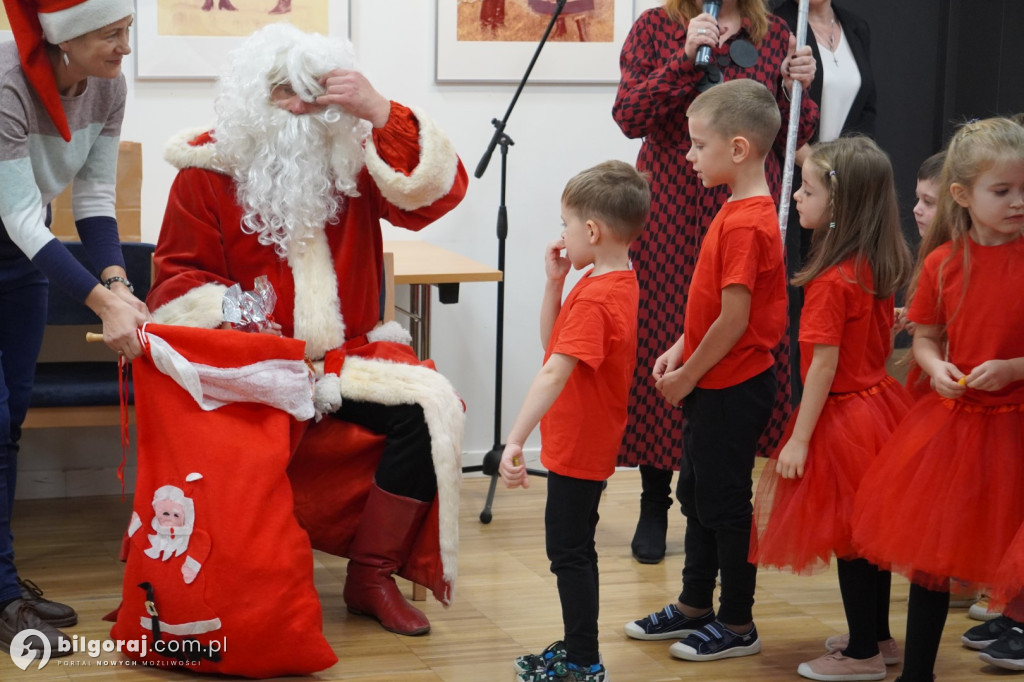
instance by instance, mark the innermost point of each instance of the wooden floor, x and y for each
(505, 601)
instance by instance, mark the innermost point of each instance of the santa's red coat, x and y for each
(328, 293)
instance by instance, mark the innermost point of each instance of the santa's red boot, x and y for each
(387, 529)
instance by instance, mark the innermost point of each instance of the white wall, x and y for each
(557, 129)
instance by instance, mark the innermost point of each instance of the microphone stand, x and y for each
(493, 457)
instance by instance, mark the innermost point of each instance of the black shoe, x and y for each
(655, 499)
(1007, 651)
(56, 614)
(981, 636)
(714, 642)
(669, 623)
(20, 615)
(649, 539)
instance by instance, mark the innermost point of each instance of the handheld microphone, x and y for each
(703, 59)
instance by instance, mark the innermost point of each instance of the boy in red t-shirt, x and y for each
(579, 397)
(722, 366)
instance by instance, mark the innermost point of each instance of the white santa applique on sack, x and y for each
(178, 552)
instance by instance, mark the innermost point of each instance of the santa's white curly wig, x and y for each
(292, 171)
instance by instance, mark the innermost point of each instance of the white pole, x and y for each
(794, 126)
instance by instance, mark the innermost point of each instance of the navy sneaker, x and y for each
(1007, 651)
(981, 636)
(669, 623)
(715, 641)
(539, 663)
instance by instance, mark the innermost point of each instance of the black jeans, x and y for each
(406, 467)
(715, 489)
(570, 519)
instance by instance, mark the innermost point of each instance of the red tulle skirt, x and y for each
(800, 523)
(1007, 592)
(946, 497)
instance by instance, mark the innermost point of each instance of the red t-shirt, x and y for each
(839, 312)
(985, 322)
(743, 246)
(581, 432)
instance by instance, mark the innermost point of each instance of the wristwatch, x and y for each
(117, 278)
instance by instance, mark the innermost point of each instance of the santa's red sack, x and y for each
(219, 575)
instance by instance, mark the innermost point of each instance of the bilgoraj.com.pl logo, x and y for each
(24, 650)
(26, 646)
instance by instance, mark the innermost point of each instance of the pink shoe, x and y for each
(889, 649)
(833, 667)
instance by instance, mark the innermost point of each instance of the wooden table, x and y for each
(420, 265)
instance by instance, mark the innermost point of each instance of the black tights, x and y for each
(926, 616)
(865, 591)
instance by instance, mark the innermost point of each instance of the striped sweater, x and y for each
(36, 165)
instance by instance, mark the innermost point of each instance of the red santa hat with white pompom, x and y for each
(37, 22)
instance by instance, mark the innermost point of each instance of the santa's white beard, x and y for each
(168, 541)
(292, 178)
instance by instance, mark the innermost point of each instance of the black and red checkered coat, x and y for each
(658, 84)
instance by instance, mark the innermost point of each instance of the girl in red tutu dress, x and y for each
(850, 406)
(946, 495)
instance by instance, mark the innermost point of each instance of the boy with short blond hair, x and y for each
(579, 398)
(723, 367)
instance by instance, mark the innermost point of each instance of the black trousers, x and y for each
(570, 520)
(715, 490)
(406, 467)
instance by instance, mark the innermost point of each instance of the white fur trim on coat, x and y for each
(392, 383)
(433, 176)
(316, 309)
(200, 307)
(390, 331)
(327, 395)
(180, 154)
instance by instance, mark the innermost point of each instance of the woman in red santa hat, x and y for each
(62, 99)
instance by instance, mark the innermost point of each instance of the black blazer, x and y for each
(861, 117)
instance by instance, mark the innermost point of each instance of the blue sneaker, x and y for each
(715, 641)
(669, 623)
(594, 673)
(539, 663)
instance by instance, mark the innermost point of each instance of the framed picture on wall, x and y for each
(191, 39)
(493, 40)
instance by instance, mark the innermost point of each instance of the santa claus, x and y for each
(305, 159)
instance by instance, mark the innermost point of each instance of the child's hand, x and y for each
(674, 386)
(946, 380)
(902, 322)
(512, 467)
(667, 361)
(991, 376)
(556, 266)
(792, 459)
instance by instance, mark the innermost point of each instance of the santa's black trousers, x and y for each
(406, 467)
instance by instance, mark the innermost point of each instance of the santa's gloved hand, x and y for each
(327, 395)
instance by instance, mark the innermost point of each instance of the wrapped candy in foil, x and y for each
(250, 311)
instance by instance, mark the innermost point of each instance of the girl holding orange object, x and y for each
(945, 498)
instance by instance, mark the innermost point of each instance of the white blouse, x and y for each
(840, 84)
